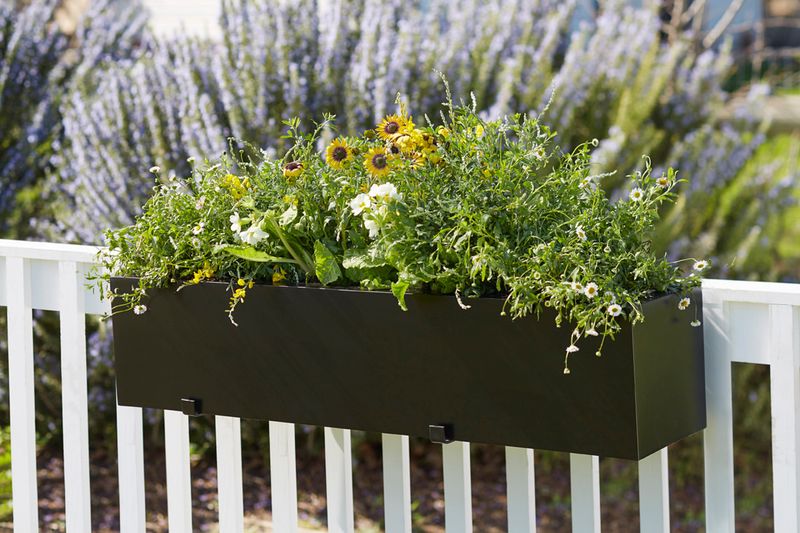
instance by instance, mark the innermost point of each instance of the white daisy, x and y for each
(577, 287)
(155, 169)
(139, 309)
(663, 182)
(198, 229)
(590, 290)
(360, 203)
(614, 309)
(700, 265)
(637, 194)
(684, 304)
(580, 232)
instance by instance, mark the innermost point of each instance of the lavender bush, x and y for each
(38, 62)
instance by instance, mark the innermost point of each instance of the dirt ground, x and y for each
(619, 493)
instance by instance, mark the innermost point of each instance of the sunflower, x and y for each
(292, 169)
(376, 162)
(393, 125)
(338, 154)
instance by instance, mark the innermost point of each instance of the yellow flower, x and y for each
(241, 282)
(338, 154)
(479, 131)
(394, 125)
(236, 187)
(278, 276)
(204, 273)
(444, 132)
(376, 162)
(292, 169)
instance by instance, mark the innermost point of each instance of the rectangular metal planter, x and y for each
(353, 359)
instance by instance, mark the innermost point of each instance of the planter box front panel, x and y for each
(353, 359)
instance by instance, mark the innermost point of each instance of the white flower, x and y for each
(684, 304)
(236, 225)
(580, 232)
(663, 182)
(695, 323)
(572, 348)
(196, 242)
(637, 194)
(590, 290)
(372, 225)
(253, 235)
(592, 332)
(384, 192)
(701, 265)
(155, 169)
(200, 203)
(587, 182)
(198, 229)
(360, 203)
(614, 309)
(576, 286)
(139, 309)
(190, 160)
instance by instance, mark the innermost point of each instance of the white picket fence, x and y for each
(744, 322)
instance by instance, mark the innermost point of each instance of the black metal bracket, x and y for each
(440, 433)
(190, 406)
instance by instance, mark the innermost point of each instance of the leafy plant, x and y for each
(473, 208)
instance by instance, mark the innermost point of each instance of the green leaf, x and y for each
(399, 289)
(327, 268)
(361, 259)
(249, 253)
(288, 216)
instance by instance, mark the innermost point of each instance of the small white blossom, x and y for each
(198, 229)
(155, 169)
(592, 332)
(139, 309)
(190, 160)
(372, 225)
(384, 192)
(196, 242)
(637, 194)
(236, 224)
(360, 203)
(614, 309)
(253, 235)
(695, 323)
(200, 203)
(572, 348)
(701, 265)
(684, 304)
(663, 182)
(579, 231)
(590, 290)
(576, 286)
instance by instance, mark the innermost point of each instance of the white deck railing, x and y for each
(744, 322)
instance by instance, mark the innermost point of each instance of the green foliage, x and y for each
(5, 473)
(470, 208)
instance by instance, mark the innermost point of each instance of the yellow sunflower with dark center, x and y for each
(292, 169)
(392, 126)
(338, 154)
(376, 162)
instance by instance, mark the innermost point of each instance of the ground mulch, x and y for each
(619, 492)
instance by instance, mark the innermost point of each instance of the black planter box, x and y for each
(353, 359)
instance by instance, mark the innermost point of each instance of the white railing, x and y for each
(744, 322)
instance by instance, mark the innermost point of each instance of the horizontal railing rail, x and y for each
(744, 322)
